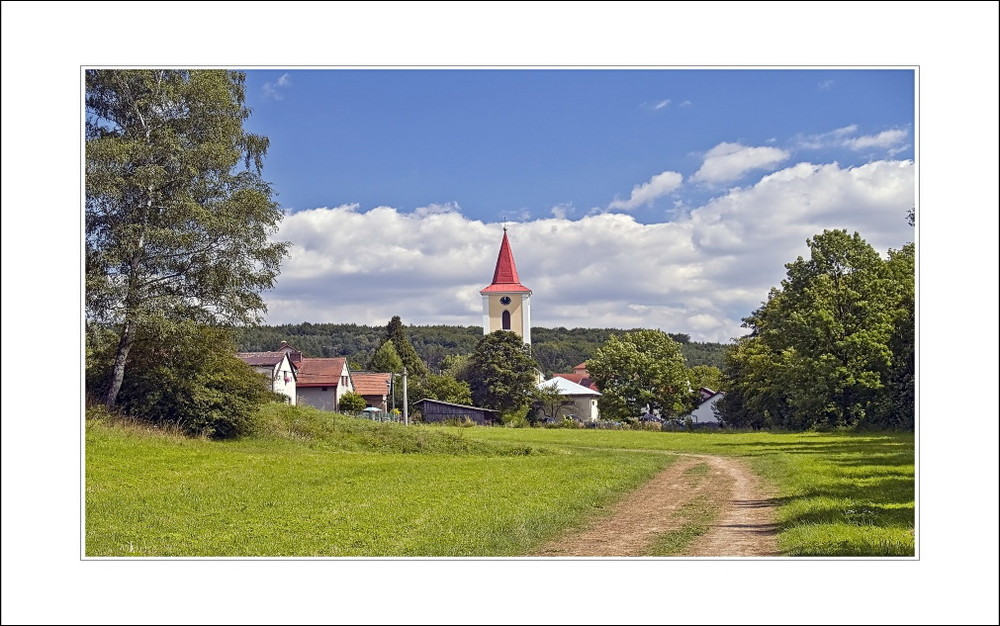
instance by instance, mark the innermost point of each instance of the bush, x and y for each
(187, 376)
(351, 402)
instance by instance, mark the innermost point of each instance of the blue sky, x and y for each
(666, 198)
(517, 143)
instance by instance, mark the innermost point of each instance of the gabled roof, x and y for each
(370, 383)
(505, 277)
(260, 359)
(321, 372)
(568, 387)
(580, 379)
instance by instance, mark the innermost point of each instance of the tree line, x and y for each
(555, 349)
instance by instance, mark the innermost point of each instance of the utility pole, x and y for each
(406, 404)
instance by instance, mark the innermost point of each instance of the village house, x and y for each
(374, 387)
(705, 412)
(580, 376)
(323, 382)
(277, 367)
(579, 401)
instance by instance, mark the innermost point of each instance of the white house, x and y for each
(705, 411)
(280, 371)
(580, 401)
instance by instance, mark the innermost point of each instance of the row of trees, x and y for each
(555, 349)
(832, 346)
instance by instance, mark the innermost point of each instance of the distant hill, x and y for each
(557, 349)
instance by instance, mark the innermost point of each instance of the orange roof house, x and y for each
(373, 387)
(322, 382)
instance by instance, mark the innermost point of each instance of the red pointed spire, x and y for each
(505, 275)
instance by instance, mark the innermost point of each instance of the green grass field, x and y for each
(316, 485)
(838, 494)
(339, 487)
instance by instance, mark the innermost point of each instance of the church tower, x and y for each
(506, 302)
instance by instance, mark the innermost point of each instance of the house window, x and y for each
(505, 320)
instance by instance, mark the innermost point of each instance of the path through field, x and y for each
(720, 487)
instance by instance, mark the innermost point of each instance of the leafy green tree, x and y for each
(547, 400)
(502, 373)
(820, 352)
(640, 368)
(187, 375)
(396, 333)
(707, 376)
(351, 402)
(386, 360)
(439, 387)
(178, 218)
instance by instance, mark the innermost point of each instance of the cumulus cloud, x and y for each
(658, 186)
(699, 275)
(727, 162)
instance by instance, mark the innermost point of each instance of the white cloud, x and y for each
(658, 186)
(826, 85)
(729, 161)
(885, 139)
(656, 106)
(661, 104)
(699, 275)
(272, 90)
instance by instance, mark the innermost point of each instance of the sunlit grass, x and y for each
(837, 494)
(155, 494)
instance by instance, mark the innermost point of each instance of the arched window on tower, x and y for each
(505, 320)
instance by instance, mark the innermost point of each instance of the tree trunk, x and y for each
(121, 357)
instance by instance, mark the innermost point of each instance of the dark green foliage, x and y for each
(502, 373)
(187, 376)
(705, 376)
(640, 368)
(832, 347)
(555, 349)
(178, 219)
(395, 333)
(386, 360)
(438, 387)
(351, 402)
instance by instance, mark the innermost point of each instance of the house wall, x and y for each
(440, 412)
(283, 372)
(704, 413)
(316, 397)
(345, 384)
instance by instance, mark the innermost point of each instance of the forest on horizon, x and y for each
(556, 349)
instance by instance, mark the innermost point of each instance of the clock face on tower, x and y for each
(505, 300)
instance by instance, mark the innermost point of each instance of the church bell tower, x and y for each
(506, 302)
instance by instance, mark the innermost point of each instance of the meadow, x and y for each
(316, 485)
(311, 484)
(837, 494)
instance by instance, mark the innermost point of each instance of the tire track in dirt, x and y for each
(744, 526)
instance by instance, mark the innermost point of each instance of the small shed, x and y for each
(438, 411)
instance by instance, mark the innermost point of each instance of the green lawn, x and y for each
(316, 485)
(154, 494)
(838, 494)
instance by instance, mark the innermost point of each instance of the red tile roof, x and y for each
(260, 359)
(505, 275)
(320, 372)
(370, 383)
(580, 379)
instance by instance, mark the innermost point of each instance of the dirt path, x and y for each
(743, 527)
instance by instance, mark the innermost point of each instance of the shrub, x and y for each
(352, 403)
(187, 376)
